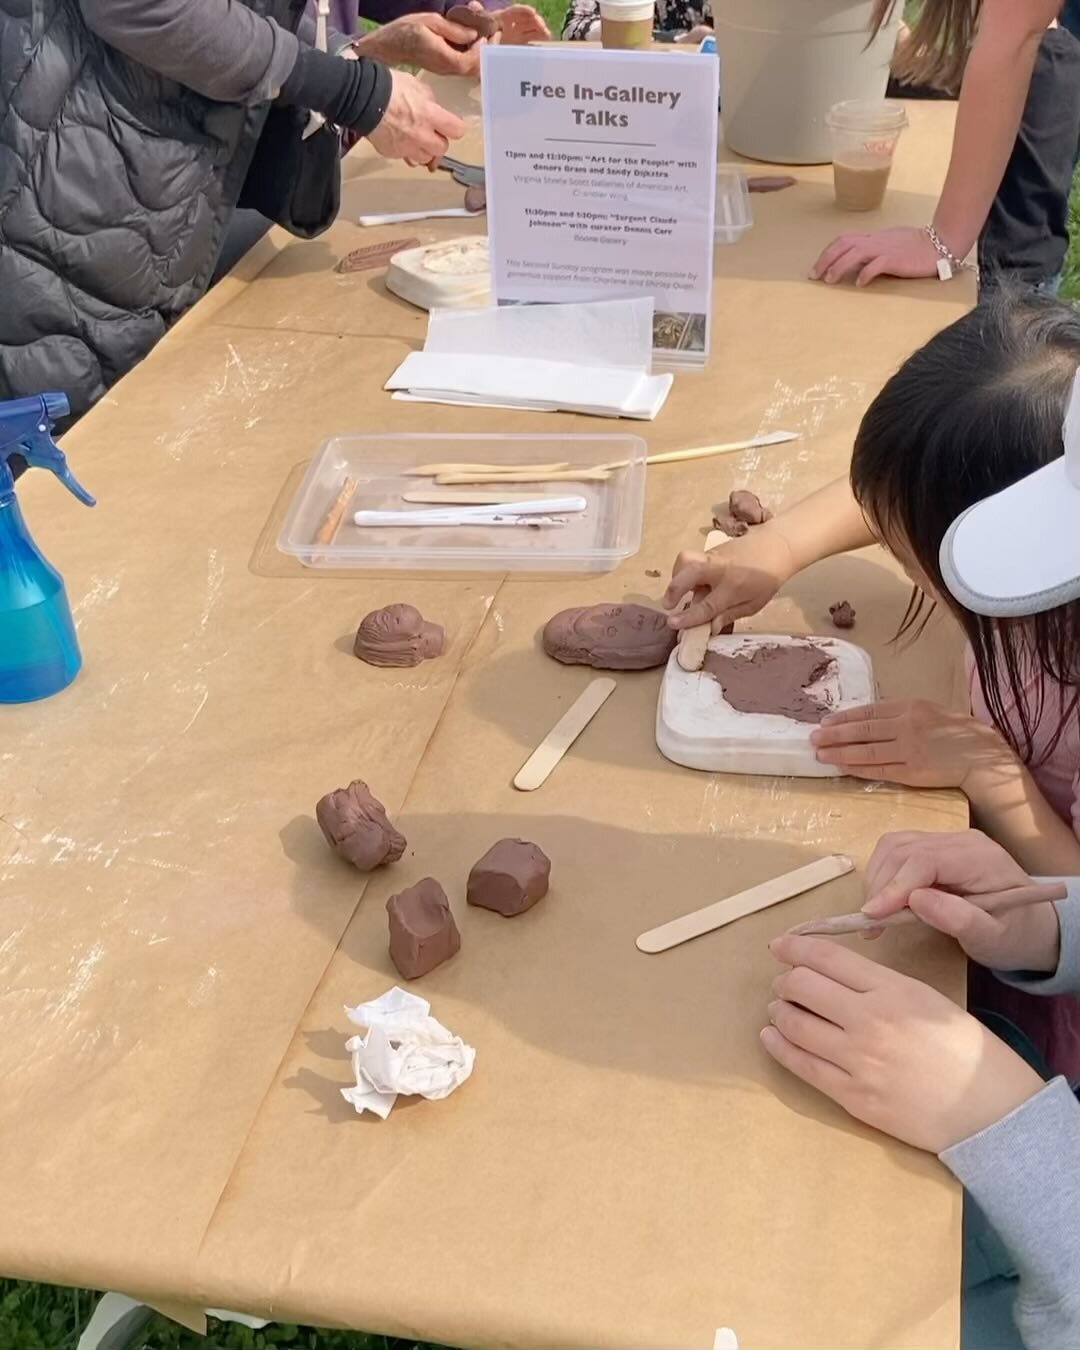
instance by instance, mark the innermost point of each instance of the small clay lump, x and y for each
(743, 510)
(397, 635)
(610, 637)
(356, 826)
(510, 878)
(842, 615)
(423, 933)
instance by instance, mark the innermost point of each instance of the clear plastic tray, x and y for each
(733, 214)
(605, 534)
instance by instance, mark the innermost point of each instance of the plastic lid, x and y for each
(867, 114)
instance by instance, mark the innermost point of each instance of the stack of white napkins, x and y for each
(405, 1051)
(589, 358)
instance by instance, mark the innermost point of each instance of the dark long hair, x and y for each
(976, 409)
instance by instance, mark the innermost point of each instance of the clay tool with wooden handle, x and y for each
(433, 470)
(336, 513)
(738, 906)
(999, 902)
(694, 642)
(454, 497)
(562, 735)
(594, 475)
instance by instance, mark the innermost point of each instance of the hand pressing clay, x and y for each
(610, 637)
(398, 635)
(423, 933)
(773, 679)
(510, 877)
(842, 615)
(743, 510)
(482, 23)
(355, 825)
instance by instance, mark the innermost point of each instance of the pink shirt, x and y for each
(1053, 1024)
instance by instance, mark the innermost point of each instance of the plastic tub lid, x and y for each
(867, 114)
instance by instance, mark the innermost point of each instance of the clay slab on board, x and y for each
(510, 878)
(397, 635)
(772, 680)
(355, 825)
(610, 637)
(423, 933)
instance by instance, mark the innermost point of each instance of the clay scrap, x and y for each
(610, 637)
(374, 255)
(355, 825)
(774, 680)
(483, 23)
(775, 182)
(743, 510)
(397, 635)
(510, 878)
(423, 933)
(842, 615)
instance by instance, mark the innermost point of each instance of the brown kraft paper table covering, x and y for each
(625, 1168)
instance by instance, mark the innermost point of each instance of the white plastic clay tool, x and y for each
(448, 521)
(694, 642)
(537, 506)
(562, 735)
(738, 906)
(403, 217)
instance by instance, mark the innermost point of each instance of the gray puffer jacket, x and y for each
(118, 174)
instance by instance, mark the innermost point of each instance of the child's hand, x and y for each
(957, 883)
(918, 744)
(741, 576)
(891, 1051)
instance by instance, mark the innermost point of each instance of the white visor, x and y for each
(1018, 553)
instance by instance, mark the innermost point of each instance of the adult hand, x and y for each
(740, 579)
(414, 127)
(905, 252)
(427, 41)
(891, 1051)
(697, 34)
(521, 24)
(958, 883)
(918, 744)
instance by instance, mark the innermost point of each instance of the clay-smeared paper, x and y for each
(406, 1052)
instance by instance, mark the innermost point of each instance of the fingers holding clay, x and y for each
(355, 825)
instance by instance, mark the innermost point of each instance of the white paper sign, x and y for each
(601, 181)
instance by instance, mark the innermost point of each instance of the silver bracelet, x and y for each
(948, 263)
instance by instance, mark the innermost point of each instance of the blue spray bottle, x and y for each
(39, 651)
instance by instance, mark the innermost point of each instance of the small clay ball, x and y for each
(355, 825)
(842, 615)
(746, 507)
(423, 933)
(398, 635)
(482, 23)
(610, 637)
(510, 878)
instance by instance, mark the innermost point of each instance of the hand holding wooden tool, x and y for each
(997, 902)
(694, 642)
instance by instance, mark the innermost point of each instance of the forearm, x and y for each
(219, 48)
(988, 115)
(1008, 805)
(828, 522)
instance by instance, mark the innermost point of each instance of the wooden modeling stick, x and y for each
(478, 497)
(694, 642)
(595, 475)
(336, 513)
(757, 898)
(562, 735)
(999, 902)
(434, 470)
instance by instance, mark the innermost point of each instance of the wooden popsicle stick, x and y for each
(434, 470)
(525, 476)
(562, 735)
(997, 902)
(336, 513)
(449, 497)
(769, 893)
(694, 642)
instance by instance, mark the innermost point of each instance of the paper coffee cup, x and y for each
(864, 136)
(626, 24)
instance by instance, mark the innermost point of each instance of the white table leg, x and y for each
(117, 1320)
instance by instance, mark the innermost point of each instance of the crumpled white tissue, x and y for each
(406, 1051)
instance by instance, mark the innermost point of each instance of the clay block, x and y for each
(423, 933)
(355, 825)
(510, 878)
(483, 23)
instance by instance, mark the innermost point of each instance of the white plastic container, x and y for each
(452, 274)
(784, 63)
(733, 214)
(597, 540)
(697, 728)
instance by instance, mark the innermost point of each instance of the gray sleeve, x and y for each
(1024, 1172)
(1066, 979)
(219, 48)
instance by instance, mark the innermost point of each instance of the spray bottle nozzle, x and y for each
(26, 426)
